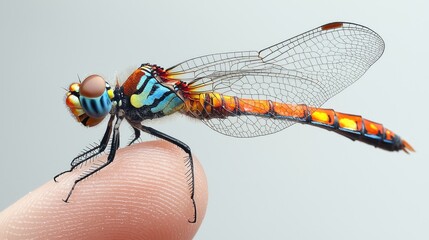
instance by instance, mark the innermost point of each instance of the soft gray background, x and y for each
(302, 183)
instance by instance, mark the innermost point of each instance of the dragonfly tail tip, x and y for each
(407, 147)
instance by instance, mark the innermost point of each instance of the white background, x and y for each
(301, 183)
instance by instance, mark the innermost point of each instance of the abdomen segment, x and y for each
(355, 127)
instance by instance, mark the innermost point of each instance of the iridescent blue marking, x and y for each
(96, 107)
(148, 88)
(159, 92)
(168, 104)
(376, 137)
(175, 104)
(142, 80)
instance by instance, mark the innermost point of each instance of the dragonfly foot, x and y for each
(194, 220)
(60, 174)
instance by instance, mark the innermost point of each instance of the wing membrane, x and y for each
(307, 69)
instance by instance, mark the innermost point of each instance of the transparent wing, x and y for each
(253, 84)
(307, 69)
(335, 55)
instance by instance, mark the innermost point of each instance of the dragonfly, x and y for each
(241, 94)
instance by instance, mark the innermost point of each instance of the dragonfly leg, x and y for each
(189, 161)
(92, 152)
(136, 136)
(114, 147)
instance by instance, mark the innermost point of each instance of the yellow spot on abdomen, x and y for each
(320, 117)
(347, 123)
(216, 100)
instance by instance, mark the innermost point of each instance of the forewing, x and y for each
(335, 55)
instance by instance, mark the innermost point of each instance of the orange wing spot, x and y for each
(169, 74)
(372, 127)
(229, 103)
(330, 26)
(290, 110)
(254, 106)
(348, 121)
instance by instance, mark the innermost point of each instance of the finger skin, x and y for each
(142, 194)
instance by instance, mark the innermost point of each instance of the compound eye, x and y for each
(93, 86)
(94, 96)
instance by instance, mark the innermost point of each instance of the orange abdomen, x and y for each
(355, 127)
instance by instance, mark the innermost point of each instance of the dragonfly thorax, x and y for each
(146, 95)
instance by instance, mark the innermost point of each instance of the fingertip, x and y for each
(142, 194)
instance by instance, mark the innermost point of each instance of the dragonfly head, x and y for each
(90, 101)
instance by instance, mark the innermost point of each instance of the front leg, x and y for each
(110, 158)
(189, 163)
(92, 152)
